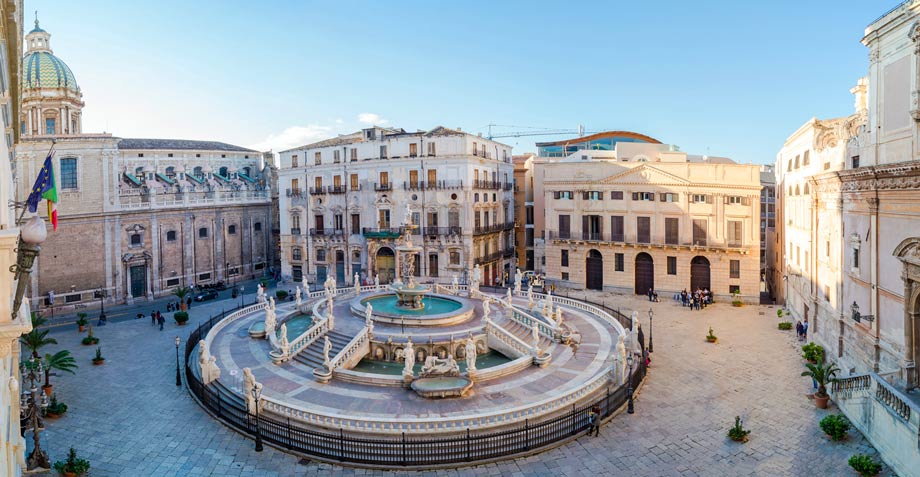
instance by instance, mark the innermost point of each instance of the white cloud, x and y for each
(371, 118)
(294, 136)
(339, 121)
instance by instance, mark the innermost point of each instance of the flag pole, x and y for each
(26, 207)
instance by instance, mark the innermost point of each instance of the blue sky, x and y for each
(724, 78)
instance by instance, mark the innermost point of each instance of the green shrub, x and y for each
(281, 294)
(785, 325)
(836, 426)
(72, 464)
(737, 432)
(710, 336)
(865, 465)
(98, 357)
(180, 316)
(81, 319)
(812, 352)
(779, 313)
(56, 407)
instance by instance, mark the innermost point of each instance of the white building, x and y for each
(346, 198)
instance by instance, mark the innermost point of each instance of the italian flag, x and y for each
(51, 196)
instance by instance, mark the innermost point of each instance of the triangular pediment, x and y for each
(645, 174)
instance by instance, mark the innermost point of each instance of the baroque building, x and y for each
(346, 199)
(12, 323)
(138, 217)
(644, 215)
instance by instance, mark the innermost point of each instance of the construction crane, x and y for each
(536, 131)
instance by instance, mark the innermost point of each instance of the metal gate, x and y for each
(699, 273)
(594, 271)
(138, 280)
(645, 273)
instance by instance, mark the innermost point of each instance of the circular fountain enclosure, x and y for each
(438, 310)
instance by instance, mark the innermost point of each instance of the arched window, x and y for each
(198, 172)
(171, 172)
(171, 236)
(223, 171)
(806, 189)
(139, 172)
(796, 189)
(296, 254)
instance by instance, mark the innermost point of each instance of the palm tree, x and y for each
(35, 339)
(61, 361)
(181, 293)
(822, 374)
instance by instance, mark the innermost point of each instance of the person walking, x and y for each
(188, 302)
(161, 320)
(594, 420)
(805, 330)
(153, 318)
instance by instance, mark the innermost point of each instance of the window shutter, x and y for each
(584, 195)
(745, 200)
(662, 197)
(708, 199)
(635, 196)
(725, 199)
(584, 226)
(555, 194)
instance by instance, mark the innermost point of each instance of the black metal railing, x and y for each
(644, 240)
(383, 187)
(443, 231)
(295, 231)
(432, 185)
(295, 192)
(491, 185)
(326, 232)
(336, 189)
(399, 450)
(491, 228)
(317, 190)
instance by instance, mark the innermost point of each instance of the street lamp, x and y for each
(100, 293)
(857, 317)
(178, 378)
(241, 296)
(629, 388)
(31, 236)
(30, 415)
(257, 395)
(650, 330)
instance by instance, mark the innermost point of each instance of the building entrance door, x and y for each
(138, 274)
(386, 265)
(594, 271)
(699, 273)
(645, 273)
(340, 267)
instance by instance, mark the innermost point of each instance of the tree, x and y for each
(181, 293)
(822, 374)
(36, 339)
(61, 361)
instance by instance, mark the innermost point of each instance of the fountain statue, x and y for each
(329, 312)
(249, 383)
(535, 334)
(409, 294)
(207, 364)
(619, 361)
(517, 280)
(260, 294)
(486, 310)
(327, 347)
(271, 319)
(285, 345)
(558, 316)
(357, 280)
(508, 300)
(530, 295)
(470, 350)
(368, 314)
(477, 277)
(436, 367)
(376, 282)
(454, 285)
(408, 354)
(549, 298)
(305, 285)
(297, 294)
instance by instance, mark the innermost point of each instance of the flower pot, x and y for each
(711, 340)
(70, 474)
(98, 362)
(821, 402)
(82, 328)
(182, 323)
(47, 389)
(52, 415)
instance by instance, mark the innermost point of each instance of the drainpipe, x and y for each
(874, 260)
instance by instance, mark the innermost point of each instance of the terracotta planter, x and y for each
(712, 340)
(52, 415)
(70, 474)
(183, 306)
(182, 323)
(98, 362)
(82, 328)
(821, 402)
(47, 389)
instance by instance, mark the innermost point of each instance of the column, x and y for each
(155, 247)
(873, 273)
(908, 365)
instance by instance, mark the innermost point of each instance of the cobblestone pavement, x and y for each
(129, 418)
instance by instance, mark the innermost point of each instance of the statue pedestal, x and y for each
(407, 379)
(542, 360)
(322, 375)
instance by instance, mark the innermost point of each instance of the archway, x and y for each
(908, 253)
(594, 271)
(645, 273)
(699, 273)
(386, 264)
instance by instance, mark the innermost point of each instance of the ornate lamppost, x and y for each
(178, 378)
(31, 410)
(650, 330)
(31, 236)
(241, 295)
(257, 395)
(101, 295)
(629, 388)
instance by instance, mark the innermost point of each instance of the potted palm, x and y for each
(711, 337)
(36, 339)
(823, 374)
(181, 293)
(61, 361)
(72, 467)
(81, 321)
(98, 359)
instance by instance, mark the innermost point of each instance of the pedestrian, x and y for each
(805, 329)
(161, 320)
(594, 419)
(648, 358)
(649, 294)
(153, 318)
(188, 302)
(798, 330)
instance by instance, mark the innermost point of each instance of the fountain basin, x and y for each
(438, 310)
(295, 327)
(441, 387)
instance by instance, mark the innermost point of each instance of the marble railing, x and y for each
(320, 328)
(508, 338)
(230, 319)
(356, 349)
(583, 306)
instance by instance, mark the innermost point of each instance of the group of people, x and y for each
(697, 300)
(156, 318)
(652, 295)
(175, 305)
(801, 330)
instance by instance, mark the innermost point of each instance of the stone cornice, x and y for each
(898, 176)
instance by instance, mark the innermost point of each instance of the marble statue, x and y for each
(535, 334)
(517, 280)
(213, 369)
(549, 298)
(305, 285)
(486, 310)
(409, 356)
(327, 348)
(454, 285)
(207, 364)
(357, 280)
(260, 294)
(285, 345)
(508, 299)
(271, 303)
(619, 361)
(558, 316)
(530, 295)
(408, 215)
(470, 350)
(477, 277)
(435, 366)
(271, 320)
(634, 332)
(368, 314)
(298, 297)
(376, 281)
(249, 383)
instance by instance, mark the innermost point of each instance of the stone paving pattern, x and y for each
(129, 418)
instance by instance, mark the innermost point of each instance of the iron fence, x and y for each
(399, 450)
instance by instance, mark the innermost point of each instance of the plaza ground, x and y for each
(130, 419)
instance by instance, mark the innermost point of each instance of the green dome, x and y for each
(41, 69)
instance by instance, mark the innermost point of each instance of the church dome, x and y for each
(41, 69)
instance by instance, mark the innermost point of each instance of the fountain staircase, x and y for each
(312, 356)
(521, 332)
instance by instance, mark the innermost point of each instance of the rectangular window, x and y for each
(734, 233)
(591, 195)
(827, 248)
(413, 150)
(353, 182)
(672, 265)
(805, 160)
(616, 229)
(618, 262)
(734, 199)
(565, 258)
(699, 232)
(700, 198)
(413, 178)
(337, 181)
(336, 156)
(671, 230)
(734, 289)
(203, 232)
(319, 222)
(668, 197)
(431, 149)
(257, 226)
(317, 158)
(648, 196)
(565, 226)
(643, 229)
(827, 293)
(172, 282)
(432, 176)
(383, 152)
(338, 221)
(68, 173)
(293, 160)
(616, 195)
(355, 223)
(297, 272)
(855, 161)
(455, 258)
(383, 219)
(855, 258)
(354, 154)
(562, 194)
(528, 214)
(734, 269)
(49, 126)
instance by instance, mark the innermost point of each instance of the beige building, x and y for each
(524, 205)
(138, 217)
(646, 215)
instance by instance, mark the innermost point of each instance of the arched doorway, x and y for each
(340, 267)
(386, 264)
(645, 273)
(594, 271)
(699, 273)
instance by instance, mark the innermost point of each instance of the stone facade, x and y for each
(346, 198)
(648, 216)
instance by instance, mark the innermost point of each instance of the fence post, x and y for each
(573, 419)
(404, 448)
(219, 414)
(468, 453)
(341, 444)
(526, 434)
(289, 435)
